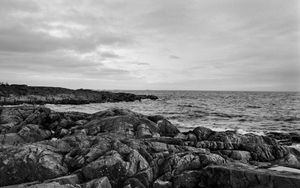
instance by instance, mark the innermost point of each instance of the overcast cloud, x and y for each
(151, 44)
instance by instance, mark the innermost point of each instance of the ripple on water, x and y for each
(248, 111)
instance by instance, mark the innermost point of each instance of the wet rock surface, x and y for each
(121, 148)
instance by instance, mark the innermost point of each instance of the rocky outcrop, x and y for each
(246, 177)
(20, 94)
(30, 163)
(285, 138)
(121, 148)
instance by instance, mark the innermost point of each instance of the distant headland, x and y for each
(14, 94)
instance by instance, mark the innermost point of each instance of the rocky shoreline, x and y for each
(20, 94)
(121, 148)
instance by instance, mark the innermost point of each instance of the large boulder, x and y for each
(121, 121)
(180, 162)
(72, 179)
(202, 133)
(166, 128)
(118, 166)
(261, 148)
(111, 165)
(243, 156)
(32, 133)
(29, 163)
(188, 179)
(98, 183)
(156, 118)
(285, 138)
(242, 177)
(43, 185)
(11, 139)
(291, 160)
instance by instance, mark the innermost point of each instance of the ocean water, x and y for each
(256, 112)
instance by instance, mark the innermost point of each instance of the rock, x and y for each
(98, 183)
(192, 137)
(294, 150)
(159, 147)
(129, 149)
(63, 132)
(32, 133)
(215, 145)
(20, 94)
(29, 163)
(155, 118)
(51, 185)
(290, 160)
(111, 165)
(42, 185)
(81, 122)
(202, 133)
(11, 139)
(39, 116)
(166, 128)
(15, 115)
(143, 131)
(133, 183)
(119, 121)
(162, 184)
(262, 148)
(188, 179)
(285, 138)
(244, 156)
(265, 152)
(23, 185)
(282, 138)
(115, 112)
(180, 162)
(181, 136)
(237, 177)
(70, 179)
(295, 137)
(137, 163)
(166, 140)
(145, 177)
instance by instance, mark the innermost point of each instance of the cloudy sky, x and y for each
(151, 44)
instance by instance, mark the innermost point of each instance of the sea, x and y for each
(244, 112)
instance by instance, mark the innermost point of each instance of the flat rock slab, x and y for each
(242, 177)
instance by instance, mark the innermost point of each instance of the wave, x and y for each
(184, 127)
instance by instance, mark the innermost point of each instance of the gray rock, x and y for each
(29, 163)
(111, 165)
(188, 179)
(242, 177)
(72, 179)
(244, 156)
(155, 118)
(32, 133)
(143, 131)
(166, 128)
(202, 133)
(98, 183)
(180, 162)
(11, 139)
(162, 184)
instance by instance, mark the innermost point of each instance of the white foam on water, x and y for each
(242, 131)
(219, 111)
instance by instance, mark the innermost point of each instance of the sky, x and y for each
(248, 45)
